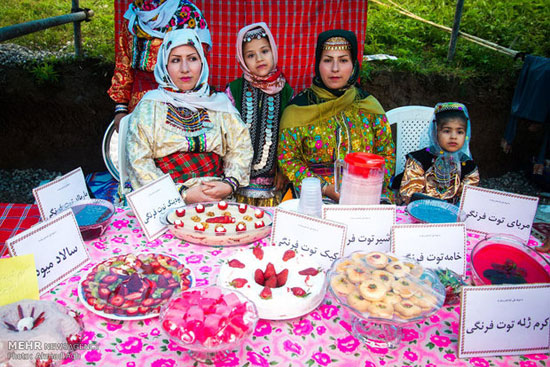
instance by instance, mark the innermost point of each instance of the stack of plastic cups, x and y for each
(311, 199)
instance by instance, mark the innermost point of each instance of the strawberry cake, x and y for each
(281, 282)
(133, 286)
(219, 223)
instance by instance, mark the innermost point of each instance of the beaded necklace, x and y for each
(189, 123)
(261, 114)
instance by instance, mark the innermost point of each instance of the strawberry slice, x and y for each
(222, 205)
(234, 263)
(241, 227)
(258, 252)
(259, 277)
(199, 227)
(269, 271)
(180, 212)
(238, 282)
(199, 208)
(271, 282)
(282, 278)
(259, 224)
(259, 213)
(117, 300)
(242, 208)
(289, 254)
(298, 292)
(309, 271)
(266, 293)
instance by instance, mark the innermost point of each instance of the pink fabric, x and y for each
(320, 338)
(274, 82)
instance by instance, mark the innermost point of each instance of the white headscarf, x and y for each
(197, 98)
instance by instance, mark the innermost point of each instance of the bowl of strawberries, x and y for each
(211, 322)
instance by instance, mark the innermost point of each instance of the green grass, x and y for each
(523, 25)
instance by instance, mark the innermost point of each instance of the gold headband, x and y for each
(337, 43)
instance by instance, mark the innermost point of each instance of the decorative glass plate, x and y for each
(133, 286)
(435, 211)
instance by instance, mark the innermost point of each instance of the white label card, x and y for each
(324, 240)
(492, 211)
(57, 247)
(60, 194)
(369, 226)
(504, 320)
(150, 203)
(432, 245)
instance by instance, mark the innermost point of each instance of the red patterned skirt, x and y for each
(184, 165)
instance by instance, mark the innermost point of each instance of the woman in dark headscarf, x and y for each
(333, 117)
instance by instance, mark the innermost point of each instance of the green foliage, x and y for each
(45, 73)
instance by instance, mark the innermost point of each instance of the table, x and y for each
(320, 338)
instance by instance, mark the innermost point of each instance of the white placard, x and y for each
(369, 226)
(323, 239)
(57, 247)
(150, 203)
(504, 320)
(60, 194)
(492, 211)
(432, 245)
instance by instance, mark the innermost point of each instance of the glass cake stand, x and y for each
(386, 332)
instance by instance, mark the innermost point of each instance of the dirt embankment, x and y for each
(59, 124)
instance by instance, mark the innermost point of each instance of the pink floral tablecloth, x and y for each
(320, 338)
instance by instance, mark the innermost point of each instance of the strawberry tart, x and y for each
(281, 282)
(219, 223)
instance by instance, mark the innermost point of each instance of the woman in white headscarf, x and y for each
(184, 129)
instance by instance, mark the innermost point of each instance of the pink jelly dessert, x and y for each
(209, 317)
(504, 262)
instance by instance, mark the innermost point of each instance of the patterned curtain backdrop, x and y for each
(295, 25)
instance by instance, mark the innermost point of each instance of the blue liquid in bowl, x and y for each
(90, 214)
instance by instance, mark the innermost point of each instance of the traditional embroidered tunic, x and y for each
(151, 135)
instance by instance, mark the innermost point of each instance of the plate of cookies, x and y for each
(385, 288)
(219, 223)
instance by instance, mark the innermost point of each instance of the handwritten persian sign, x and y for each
(18, 279)
(151, 202)
(57, 247)
(60, 194)
(324, 240)
(369, 226)
(504, 320)
(432, 245)
(491, 211)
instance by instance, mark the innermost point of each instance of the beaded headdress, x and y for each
(256, 33)
(337, 43)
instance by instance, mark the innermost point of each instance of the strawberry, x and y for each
(241, 227)
(258, 252)
(199, 208)
(238, 282)
(259, 224)
(289, 254)
(298, 292)
(282, 278)
(242, 208)
(148, 302)
(199, 227)
(309, 271)
(103, 292)
(117, 300)
(266, 293)
(180, 212)
(259, 213)
(99, 306)
(222, 205)
(166, 294)
(271, 282)
(109, 279)
(259, 277)
(269, 271)
(234, 263)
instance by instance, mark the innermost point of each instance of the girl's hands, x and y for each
(331, 192)
(280, 180)
(216, 190)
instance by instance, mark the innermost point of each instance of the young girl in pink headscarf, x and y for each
(260, 95)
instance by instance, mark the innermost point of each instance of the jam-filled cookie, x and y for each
(407, 310)
(373, 290)
(357, 301)
(377, 260)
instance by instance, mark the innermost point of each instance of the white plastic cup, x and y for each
(311, 199)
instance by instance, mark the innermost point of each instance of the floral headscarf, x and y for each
(273, 82)
(448, 164)
(199, 97)
(154, 18)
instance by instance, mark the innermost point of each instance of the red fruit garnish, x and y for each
(238, 282)
(259, 213)
(289, 254)
(166, 294)
(269, 271)
(234, 263)
(258, 252)
(309, 271)
(103, 292)
(199, 208)
(180, 212)
(116, 300)
(109, 279)
(266, 293)
(199, 227)
(242, 208)
(99, 306)
(298, 292)
(222, 205)
(220, 229)
(259, 224)
(282, 278)
(271, 282)
(178, 223)
(259, 277)
(241, 227)
(148, 302)
(221, 219)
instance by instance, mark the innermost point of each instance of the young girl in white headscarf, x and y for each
(441, 170)
(260, 95)
(184, 129)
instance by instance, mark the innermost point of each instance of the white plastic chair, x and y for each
(114, 154)
(412, 123)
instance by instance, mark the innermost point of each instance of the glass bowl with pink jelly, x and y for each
(504, 259)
